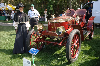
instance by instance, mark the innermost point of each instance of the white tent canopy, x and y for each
(7, 7)
(2, 6)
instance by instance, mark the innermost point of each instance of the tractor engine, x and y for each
(60, 25)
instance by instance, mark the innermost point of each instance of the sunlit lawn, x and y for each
(50, 55)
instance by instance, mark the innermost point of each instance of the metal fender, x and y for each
(69, 30)
(89, 25)
(91, 18)
(90, 22)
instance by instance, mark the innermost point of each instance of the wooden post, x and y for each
(70, 4)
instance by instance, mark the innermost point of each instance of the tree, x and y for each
(53, 6)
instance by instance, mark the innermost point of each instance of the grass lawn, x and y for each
(50, 55)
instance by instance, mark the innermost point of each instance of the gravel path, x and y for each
(6, 24)
(10, 24)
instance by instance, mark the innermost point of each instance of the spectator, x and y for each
(34, 16)
(0, 13)
(12, 14)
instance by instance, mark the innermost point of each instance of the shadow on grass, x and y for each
(14, 56)
(94, 50)
(94, 62)
(48, 56)
(12, 34)
(52, 55)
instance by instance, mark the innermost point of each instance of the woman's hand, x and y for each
(27, 31)
(16, 31)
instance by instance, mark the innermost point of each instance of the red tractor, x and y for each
(68, 31)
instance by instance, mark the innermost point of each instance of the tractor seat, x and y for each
(70, 12)
(81, 18)
(81, 13)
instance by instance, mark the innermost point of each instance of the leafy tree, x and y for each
(53, 6)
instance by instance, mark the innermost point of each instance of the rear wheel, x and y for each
(33, 40)
(73, 45)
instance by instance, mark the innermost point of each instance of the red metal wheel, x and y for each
(35, 40)
(73, 45)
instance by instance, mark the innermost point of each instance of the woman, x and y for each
(21, 24)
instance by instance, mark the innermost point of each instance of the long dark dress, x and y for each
(20, 40)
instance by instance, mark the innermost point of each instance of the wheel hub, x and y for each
(75, 46)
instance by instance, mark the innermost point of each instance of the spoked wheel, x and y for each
(35, 40)
(92, 31)
(73, 46)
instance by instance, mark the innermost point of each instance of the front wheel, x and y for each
(73, 46)
(35, 40)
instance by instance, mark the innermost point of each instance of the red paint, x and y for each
(53, 25)
(36, 43)
(69, 30)
(89, 25)
(82, 24)
(74, 46)
(91, 18)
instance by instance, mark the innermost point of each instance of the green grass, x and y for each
(50, 55)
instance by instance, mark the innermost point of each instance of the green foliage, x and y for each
(56, 7)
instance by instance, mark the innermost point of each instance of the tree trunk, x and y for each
(70, 5)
